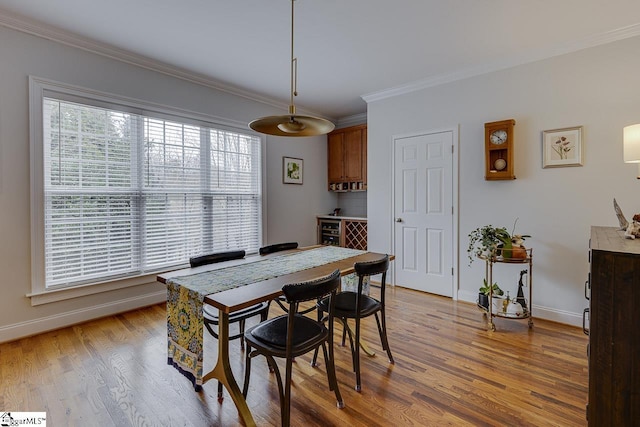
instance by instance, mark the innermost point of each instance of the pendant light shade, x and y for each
(292, 124)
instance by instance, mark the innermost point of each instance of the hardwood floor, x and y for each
(449, 370)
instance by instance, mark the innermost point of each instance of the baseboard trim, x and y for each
(61, 320)
(541, 312)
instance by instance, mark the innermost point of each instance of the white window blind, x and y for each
(126, 193)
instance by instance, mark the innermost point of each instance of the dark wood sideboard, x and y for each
(614, 329)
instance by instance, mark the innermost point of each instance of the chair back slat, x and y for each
(277, 247)
(312, 290)
(216, 257)
(371, 268)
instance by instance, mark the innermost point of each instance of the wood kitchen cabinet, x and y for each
(614, 329)
(347, 159)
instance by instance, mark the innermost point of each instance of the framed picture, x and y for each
(291, 170)
(562, 147)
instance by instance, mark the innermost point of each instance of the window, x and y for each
(126, 192)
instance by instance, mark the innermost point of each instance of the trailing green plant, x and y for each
(488, 240)
(495, 289)
(483, 241)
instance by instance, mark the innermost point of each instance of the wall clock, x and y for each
(498, 150)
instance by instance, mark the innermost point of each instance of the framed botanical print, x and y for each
(291, 170)
(562, 147)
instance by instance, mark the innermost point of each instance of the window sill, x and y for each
(61, 294)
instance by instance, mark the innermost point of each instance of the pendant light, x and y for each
(292, 124)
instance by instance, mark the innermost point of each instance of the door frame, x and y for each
(454, 197)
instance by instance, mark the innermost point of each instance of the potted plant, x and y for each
(483, 293)
(490, 241)
(484, 241)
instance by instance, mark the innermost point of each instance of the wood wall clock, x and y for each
(498, 150)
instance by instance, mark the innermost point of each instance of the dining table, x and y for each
(234, 285)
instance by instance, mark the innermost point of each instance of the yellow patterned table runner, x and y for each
(185, 298)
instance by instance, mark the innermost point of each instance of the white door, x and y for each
(423, 212)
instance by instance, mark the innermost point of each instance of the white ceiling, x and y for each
(346, 49)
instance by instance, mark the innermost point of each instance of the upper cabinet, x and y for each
(347, 158)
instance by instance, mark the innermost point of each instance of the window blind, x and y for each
(126, 193)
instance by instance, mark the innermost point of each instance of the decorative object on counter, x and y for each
(490, 241)
(336, 212)
(631, 145)
(292, 124)
(562, 147)
(621, 219)
(291, 170)
(633, 230)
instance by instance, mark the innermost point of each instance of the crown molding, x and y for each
(356, 119)
(39, 29)
(513, 61)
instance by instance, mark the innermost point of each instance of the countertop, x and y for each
(611, 239)
(357, 218)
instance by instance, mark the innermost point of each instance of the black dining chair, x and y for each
(277, 247)
(292, 335)
(355, 305)
(210, 314)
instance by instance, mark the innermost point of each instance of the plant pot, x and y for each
(483, 300)
(498, 304)
(516, 252)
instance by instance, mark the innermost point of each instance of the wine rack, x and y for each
(355, 234)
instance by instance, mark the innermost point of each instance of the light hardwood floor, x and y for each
(449, 370)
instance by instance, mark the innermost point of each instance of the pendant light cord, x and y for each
(294, 68)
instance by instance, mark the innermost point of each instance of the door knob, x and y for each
(398, 219)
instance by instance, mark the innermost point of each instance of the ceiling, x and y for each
(346, 49)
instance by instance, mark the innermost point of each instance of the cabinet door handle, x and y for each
(584, 321)
(587, 288)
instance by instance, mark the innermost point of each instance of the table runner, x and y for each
(185, 298)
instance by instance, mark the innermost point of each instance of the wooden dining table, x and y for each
(246, 295)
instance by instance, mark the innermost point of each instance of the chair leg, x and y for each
(247, 370)
(331, 374)
(284, 410)
(356, 356)
(286, 414)
(345, 327)
(241, 326)
(383, 335)
(219, 391)
(380, 332)
(344, 335)
(314, 360)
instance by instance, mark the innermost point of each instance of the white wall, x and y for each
(290, 213)
(597, 88)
